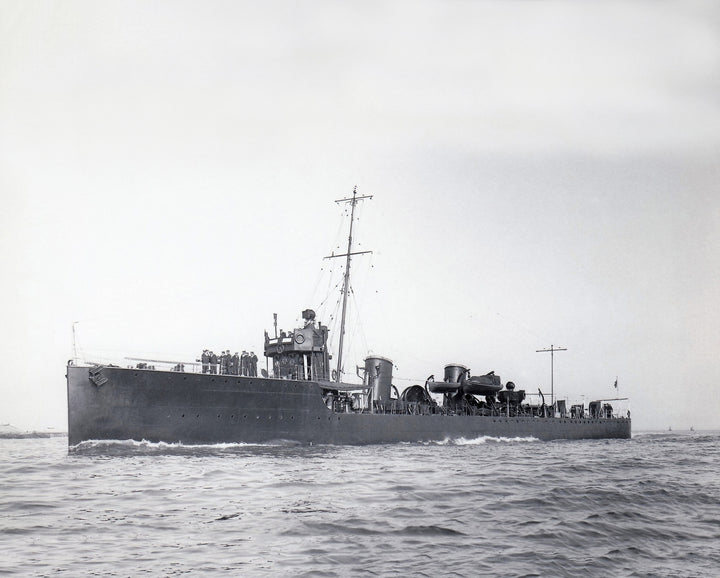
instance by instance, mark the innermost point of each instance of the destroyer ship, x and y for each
(301, 398)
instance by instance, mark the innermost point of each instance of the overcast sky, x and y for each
(543, 173)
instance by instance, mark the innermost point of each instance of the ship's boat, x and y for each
(301, 398)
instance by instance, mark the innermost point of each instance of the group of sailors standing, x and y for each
(227, 364)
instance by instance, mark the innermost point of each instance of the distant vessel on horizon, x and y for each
(302, 399)
(9, 431)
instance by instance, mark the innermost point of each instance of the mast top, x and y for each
(354, 198)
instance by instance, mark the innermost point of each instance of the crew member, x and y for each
(244, 363)
(205, 359)
(235, 364)
(253, 364)
(224, 358)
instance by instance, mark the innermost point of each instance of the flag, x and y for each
(616, 383)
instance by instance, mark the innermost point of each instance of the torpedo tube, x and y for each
(451, 379)
(488, 384)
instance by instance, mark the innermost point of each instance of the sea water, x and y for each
(649, 506)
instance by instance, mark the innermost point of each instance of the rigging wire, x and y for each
(356, 339)
(359, 327)
(324, 269)
(320, 298)
(333, 322)
(358, 331)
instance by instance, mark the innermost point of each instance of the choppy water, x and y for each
(640, 507)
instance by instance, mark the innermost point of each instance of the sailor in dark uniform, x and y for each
(244, 363)
(225, 362)
(235, 364)
(253, 363)
(213, 362)
(205, 359)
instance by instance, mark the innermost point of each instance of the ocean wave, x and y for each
(135, 447)
(481, 440)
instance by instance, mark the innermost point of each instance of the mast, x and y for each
(346, 282)
(552, 351)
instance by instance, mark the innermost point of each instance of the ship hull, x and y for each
(163, 406)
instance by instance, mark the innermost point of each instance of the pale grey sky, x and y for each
(544, 173)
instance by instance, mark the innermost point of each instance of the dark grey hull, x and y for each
(171, 407)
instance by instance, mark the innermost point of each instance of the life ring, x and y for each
(299, 339)
(280, 349)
